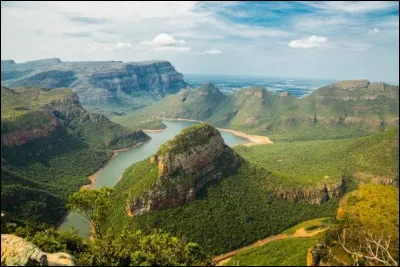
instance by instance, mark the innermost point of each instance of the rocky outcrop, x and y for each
(186, 165)
(48, 79)
(314, 195)
(352, 84)
(15, 251)
(18, 138)
(107, 82)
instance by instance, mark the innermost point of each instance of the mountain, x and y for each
(195, 182)
(112, 85)
(341, 110)
(49, 145)
(194, 158)
(273, 188)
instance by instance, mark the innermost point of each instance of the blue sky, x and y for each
(338, 40)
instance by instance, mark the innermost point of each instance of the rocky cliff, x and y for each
(15, 251)
(98, 83)
(315, 195)
(195, 158)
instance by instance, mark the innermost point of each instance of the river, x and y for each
(115, 167)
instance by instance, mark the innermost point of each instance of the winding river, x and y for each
(115, 167)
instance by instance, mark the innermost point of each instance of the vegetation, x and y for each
(328, 113)
(93, 205)
(366, 232)
(136, 122)
(40, 171)
(192, 136)
(309, 225)
(316, 162)
(128, 248)
(287, 252)
(226, 218)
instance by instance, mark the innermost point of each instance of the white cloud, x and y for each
(353, 6)
(374, 31)
(213, 52)
(165, 42)
(164, 39)
(311, 42)
(122, 45)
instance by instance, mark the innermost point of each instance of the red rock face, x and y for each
(18, 138)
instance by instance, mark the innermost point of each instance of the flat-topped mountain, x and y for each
(186, 164)
(110, 84)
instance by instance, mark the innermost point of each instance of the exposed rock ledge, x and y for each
(15, 251)
(315, 195)
(195, 157)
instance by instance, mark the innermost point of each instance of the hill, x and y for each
(341, 110)
(265, 196)
(49, 145)
(109, 85)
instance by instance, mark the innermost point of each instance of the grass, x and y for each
(287, 252)
(319, 222)
(324, 161)
(135, 123)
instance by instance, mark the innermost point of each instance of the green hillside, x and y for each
(47, 138)
(342, 110)
(244, 208)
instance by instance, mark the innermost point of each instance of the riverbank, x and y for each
(154, 131)
(253, 139)
(93, 177)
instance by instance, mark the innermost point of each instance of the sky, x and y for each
(323, 40)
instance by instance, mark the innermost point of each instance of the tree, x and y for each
(94, 206)
(374, 250)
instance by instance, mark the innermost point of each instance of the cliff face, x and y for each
(186, 165)
(316, 195)
(98, 82)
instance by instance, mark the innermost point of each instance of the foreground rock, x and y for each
(187, 164)
(15, 251)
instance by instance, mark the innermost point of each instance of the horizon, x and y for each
(332, 40)
(214, 74)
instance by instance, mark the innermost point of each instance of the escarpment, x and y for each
(105, 83)
(195, 158)
(316, 194)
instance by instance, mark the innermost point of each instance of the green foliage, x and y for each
(94, 206)
(47, 169)
(287, 252)
(328, 113)
(192, 136)
(136, 122)
(239, 210)
(371, 209)
(51, 240)
(325, 161)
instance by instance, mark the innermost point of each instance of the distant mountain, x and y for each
(49, 145)
(106, 84)
(340, 110)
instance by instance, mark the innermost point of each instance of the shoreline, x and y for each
(115, 152)
(253, 139)
(154, 131)
(93, 177)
